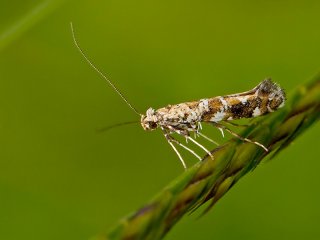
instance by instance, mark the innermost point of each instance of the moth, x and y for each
(184, 118)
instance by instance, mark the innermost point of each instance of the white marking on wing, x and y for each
(204, 105)
(243, 99)
(224, 103)
(256, 112)
(218, 116)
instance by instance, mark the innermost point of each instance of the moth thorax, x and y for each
(149, 121)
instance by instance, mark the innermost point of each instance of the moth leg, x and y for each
(220, 126)
(221, 130)
(185, 133)
(179, 155)
(197, 130)
(199, 127)
(199, 145)
(172, 140)
(209, 139)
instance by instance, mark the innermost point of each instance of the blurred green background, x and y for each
(59, 179)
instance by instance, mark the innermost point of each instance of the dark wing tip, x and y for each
(267, 87)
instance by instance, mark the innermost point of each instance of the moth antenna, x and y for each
(107, 128)
(100, 73)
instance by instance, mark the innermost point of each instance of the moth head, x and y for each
(149, 121)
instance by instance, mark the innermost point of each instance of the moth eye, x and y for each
(153, 125)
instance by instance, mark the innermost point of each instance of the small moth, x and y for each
(187, 117)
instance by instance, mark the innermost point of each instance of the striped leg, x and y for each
(220, 126)
(172, 140)
(209, 139)
(186, 135)
(199, 145)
